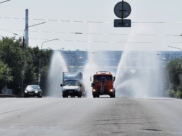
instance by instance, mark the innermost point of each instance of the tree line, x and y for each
(19, 66)
(174, 75)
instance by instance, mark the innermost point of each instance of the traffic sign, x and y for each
(122, 9)
(122, 23)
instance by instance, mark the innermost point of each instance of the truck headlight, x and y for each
(111, 90)
(94, 90)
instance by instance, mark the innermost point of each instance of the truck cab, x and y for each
(103, 84)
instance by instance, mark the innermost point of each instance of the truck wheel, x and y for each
(112, 95)
(79, 95)
(94, 96)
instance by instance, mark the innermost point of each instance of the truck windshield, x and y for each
(103, 77)
(71, 82)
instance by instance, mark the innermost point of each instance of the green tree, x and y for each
(5, 75)
(21, 64)
(174, 68)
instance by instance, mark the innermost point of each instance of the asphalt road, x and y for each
(87, 116)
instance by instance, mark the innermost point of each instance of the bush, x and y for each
(174, 68)
(178, 93)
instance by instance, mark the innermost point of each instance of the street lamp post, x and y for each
(40, 60)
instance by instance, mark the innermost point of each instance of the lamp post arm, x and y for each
(48, 41)
(43, 44)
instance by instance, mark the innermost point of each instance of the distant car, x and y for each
(33, 90)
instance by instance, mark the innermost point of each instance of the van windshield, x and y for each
(70, 83)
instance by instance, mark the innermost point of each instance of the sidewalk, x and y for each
(7, 95)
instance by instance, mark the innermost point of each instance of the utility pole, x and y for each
(26, 26)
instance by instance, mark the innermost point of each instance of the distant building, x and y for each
(76, 60)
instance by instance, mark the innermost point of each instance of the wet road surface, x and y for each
(88, 116)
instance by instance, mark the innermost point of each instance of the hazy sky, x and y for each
(168, 11)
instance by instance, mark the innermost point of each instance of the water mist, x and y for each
(57, 67)
(139, 73)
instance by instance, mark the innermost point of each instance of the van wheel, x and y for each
(79, 95)
(65, 96)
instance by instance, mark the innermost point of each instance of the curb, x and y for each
(6, 95)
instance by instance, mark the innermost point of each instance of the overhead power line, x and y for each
(66, 40)
(84, 41)
(85, 33)
(4, 1)
(98, 22)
